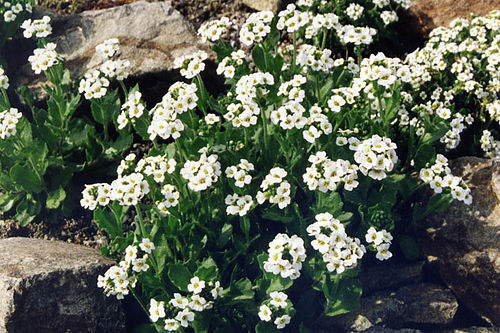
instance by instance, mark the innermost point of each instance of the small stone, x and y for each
(271, 5)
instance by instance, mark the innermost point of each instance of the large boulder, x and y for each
(429, 14)
(151, 35)
(415, 304)
(49, 286)
(466, 239)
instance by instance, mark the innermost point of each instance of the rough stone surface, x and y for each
(151, 36)
(466, 239)
(382, 329)
(422, 303)
(388, 275)
(429, 14)
(48, 286)
(476, 330)
(272, 5)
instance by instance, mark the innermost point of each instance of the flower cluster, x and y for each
(354, 11)
(44, 58)
(95, 194)
(132, 109)
(292, 19)
(40, 28)
(213, 30)
(375, 156)
(314, 58)
(239, 173)
(356, 35)
(256, 27)
(489, 145)
(458, 70)
(277, 309)
(182, 309)
(4, 80)
(229, 64)
(275, 189)
(171, 195)
(12, 11)
(439, 177)
(94, 85)
(339, 251)
(238, 205)
(381, 240)
(286, 255)
(250, 87)
(119, 278)
(203, 173)
(8, 122)
(108, 48)
(325, 174)
(242, 114)
(96, 82)
(181, 97)
(156, 166)
(322, 22)
(191, 65)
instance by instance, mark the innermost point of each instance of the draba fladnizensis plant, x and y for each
(254, 209)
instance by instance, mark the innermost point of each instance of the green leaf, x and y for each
(26, 211)
(180, 276)
(346, 298)
(55, 198)
(8, 200)
(278, 284)
(107, 222)
(269, 214)
(258, 57)
(439, 203)
(225, 235)
(409, 247)
(26, 178)
(263, 327)
(208, 270)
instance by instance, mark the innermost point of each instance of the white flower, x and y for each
(171, 325)
(278, 299)
(156, 310)
(185, 317)
(265, 313)
(383, 252)
(282, 321)
(196, 285)
(179, 302)
(146, 245)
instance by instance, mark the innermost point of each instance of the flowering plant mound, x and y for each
(255, 209)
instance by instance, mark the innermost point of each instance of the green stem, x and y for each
(141, 221)
(6, 98)
(323, 42)
(294, 51)
(264, 130)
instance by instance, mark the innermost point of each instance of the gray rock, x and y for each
(272, 5)
(422, 303)
(48, 286)
(151, 35)
(381, 329)
(388, 275)
(466, 239)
